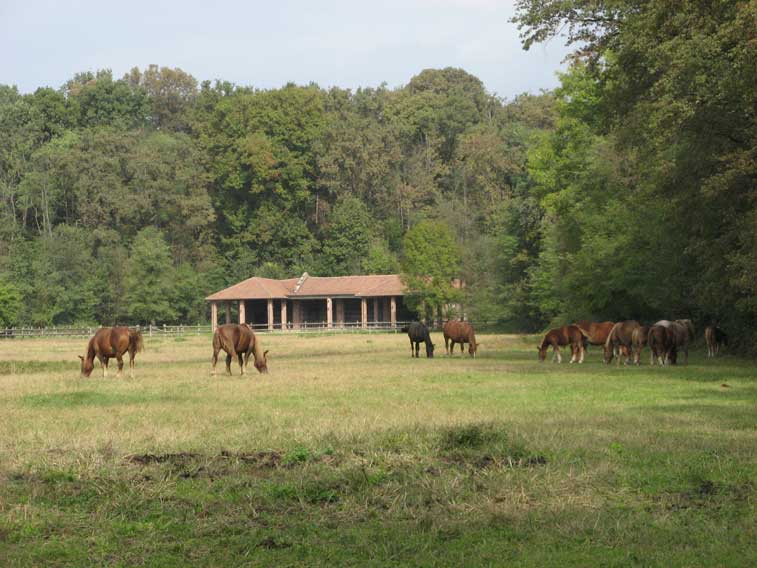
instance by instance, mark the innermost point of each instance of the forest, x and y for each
(627, 192)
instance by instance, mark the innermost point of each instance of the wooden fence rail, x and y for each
(199, 329)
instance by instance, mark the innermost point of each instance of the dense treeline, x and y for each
(131, 199)
(627, 192)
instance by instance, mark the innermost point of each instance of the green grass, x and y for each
(351, 453)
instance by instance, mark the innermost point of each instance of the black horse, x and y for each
(418, 332)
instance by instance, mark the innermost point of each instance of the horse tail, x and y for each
(611, 336)
(220, 341)
(136, 341)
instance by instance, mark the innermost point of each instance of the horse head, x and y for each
(86, 366)
(430, 350)
(262, 364)
(472, 347)
(542, 349)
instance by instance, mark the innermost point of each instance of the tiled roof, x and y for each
(256, 288)
(313, 286)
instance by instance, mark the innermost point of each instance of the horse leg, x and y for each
(412, 351)
(228, 364)
(132, 355)
(214, 361)
(240, 356)
(573, 353)
(120, 359)
(462, 348)
(104, 364)
(417, 349)
(446, 345)
(247, 359)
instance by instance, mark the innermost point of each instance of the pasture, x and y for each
(350, 452)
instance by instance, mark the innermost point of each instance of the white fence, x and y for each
(199, 329)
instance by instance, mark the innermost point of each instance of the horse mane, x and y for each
(136, 341)
(257, 350)
(91, 348)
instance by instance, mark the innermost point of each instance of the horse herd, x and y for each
(622, 339)
(627, 339)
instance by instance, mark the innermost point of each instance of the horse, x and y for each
(560, 337)
(682, 334)
(715, 338)
(661, 341)
(111, 342)
(596, 332)
(620, 340)
(238, 339)
(459, 332)
(418, 332)
(638, 341)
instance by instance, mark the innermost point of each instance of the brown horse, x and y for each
(638, 341)
(560, 337)
(459, 332)
(715, 338)
(238, 339)
(111, 342)
(620, 340)
(681, 334)
(661, 341)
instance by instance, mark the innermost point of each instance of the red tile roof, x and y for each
(313, 286)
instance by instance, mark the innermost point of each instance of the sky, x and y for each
(266, 44)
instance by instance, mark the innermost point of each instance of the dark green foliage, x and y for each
(10, 304)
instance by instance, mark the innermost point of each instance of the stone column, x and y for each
(283, 314)
(270, 314)
(295, 314)
(213, 316)
(363, 312)
(339, 312)
(242, 318)
(393, 310)
(329, 318)
(228, 312)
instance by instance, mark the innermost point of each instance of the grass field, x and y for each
(351, 453)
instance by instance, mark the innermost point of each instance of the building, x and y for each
(311, 301)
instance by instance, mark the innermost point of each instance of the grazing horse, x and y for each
(418, 332)
(560, 337)
(459, 332)
(620, 340)
(111, 342)
(682, 334)
(238, 339)
(715, 338)
(638, 341)
(660, 340)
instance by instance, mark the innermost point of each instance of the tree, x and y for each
(150, 279)
(348, 238)
(430, 263)
(10, 304)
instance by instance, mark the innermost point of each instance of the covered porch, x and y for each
(303, 313)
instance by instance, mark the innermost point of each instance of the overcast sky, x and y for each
(345, 43)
